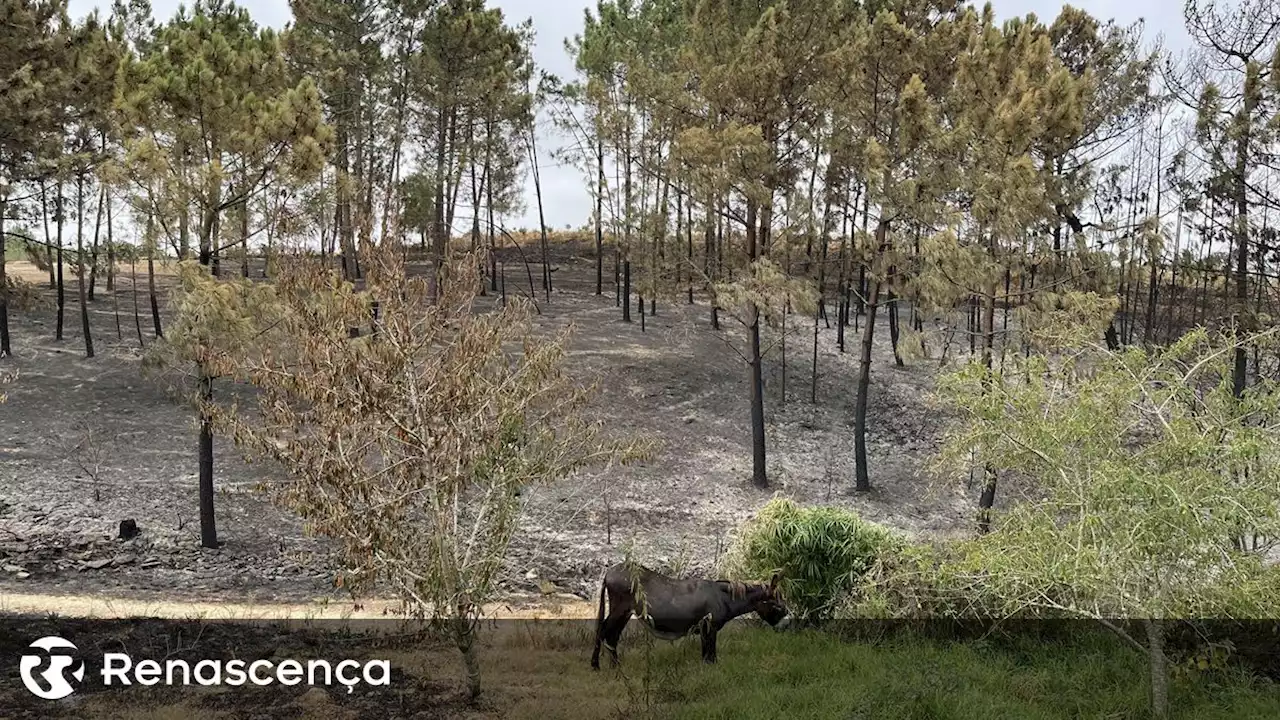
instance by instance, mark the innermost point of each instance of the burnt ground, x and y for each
(85, 443)
(526, 672)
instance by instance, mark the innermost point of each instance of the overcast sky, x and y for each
(565, 197)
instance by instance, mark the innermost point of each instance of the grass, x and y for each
(15, 250)
(536, 670)
(813, 675)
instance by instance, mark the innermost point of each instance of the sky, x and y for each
(566, 199)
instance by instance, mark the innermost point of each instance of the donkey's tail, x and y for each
(600, 609)
(595, 654)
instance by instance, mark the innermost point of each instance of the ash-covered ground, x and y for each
(85, 443)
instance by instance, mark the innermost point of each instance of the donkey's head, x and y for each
(767, 603)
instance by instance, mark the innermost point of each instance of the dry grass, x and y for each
(101, 607)
(26, 271)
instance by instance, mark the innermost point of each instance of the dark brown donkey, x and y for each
(672, 608)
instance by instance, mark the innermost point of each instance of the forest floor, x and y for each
(86, 443)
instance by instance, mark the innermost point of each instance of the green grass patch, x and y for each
(809, 674)
(14, 250)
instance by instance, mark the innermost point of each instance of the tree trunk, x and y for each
(62, 288)
(111, 248)
(688, 228)
(151, 276)
(48, 240)
(988, 497)
(133, 285)
(1241, 198)
(5, 349)
(1173, 279)
(862, 474)
(759, 474)
(111, 271)
(1159, 664)
(894, 331)
(80, 263)
(842, 258)
(599, 214)
(465, 639)
(542, 223)
(208, 528)
(709, 252)
(782, 387)
(97, 235)
(626, 291)
(184, 232)
(440, 234)
(244, 234)
(488, 208)
(679, 230)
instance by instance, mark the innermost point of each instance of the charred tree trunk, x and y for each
(5, 348)
(59, 220)
(94, 251)
(1241, 199)
(542, 223)
(48, 239)
(599, 214)
(111, 247)
(626, 291)
(111, 275)
(80, 263)
(133, 285)
(759, 475)
(244, 235)
(440, 234)
(688, 228)
(988, 497)
(208, 528)
(151, 277)
(184, 232)
(862, 474)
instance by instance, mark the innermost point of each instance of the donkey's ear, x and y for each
(773, 581)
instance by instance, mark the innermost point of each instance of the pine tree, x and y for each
(39, 81)
(217, 118)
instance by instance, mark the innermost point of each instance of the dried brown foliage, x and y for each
(410, 444)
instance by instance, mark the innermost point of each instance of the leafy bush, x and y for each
(821, 552)
(934, 581)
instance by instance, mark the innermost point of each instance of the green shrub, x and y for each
(937, 581)
(821, 552)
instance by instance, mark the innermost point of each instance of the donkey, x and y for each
(672, 608)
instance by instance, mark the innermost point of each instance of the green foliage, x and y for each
(815, 675)
(1146, 470)
(217, 323)
(821, 552)
(37, 71)
(213, 116)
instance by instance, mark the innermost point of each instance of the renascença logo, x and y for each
(56, 685)
(120, 669)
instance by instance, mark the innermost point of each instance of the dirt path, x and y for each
(97, 607)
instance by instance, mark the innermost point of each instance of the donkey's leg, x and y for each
(595, 654)
(601, 623)
(613, 627)
(709, 632)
